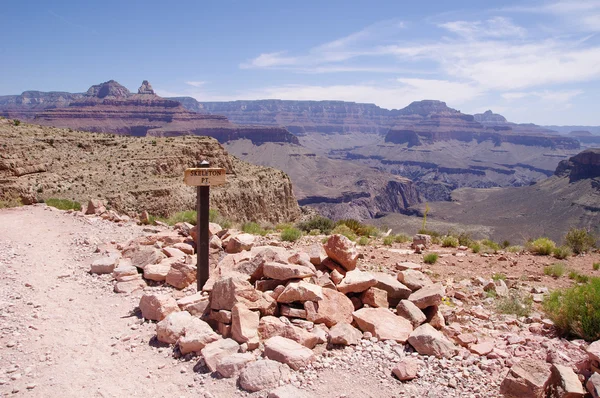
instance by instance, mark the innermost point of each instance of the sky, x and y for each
(531, 61)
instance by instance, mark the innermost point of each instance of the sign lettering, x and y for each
(207, 177)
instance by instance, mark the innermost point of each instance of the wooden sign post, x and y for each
(203, 178)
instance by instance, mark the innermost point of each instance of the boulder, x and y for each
(564, 382)
(239, 243)
(284, 272)
(105, 265)
(316, 254)
(244, 325)
(130, 286)
(374, 297)
(157, 307)
(428, 296)
(184, 247)
(289, 352)
(428, 341)
(270, 326)
(482, 348)
(421, 239)
(300, 292)
(173, 252)
(396, 291)
(527, 378)
(593, 385)
(234, 363)
(260, 375)
(335, 307)
(124, 269)
(344, 334)
(406, 369)
(408, 265)
(196, 304)
(413, 279)
(383, 324)
(217, 350)
(288, 391)
(95, 206)
(356, 281)
(342, 250)
(435, 317)
(231, 290)
(142, 255)
(197, 334)
(182, 274)
(158, 272)
(407, 309)
(593, 351)
(170, 329)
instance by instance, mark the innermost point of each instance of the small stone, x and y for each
(218, 350)
(289, 352)
(260, 375)
(230, 365)
(344, 334)
(406, 369)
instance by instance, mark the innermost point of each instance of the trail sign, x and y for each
(204, 177)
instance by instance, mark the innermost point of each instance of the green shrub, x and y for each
(562, 252)
(476, 247)
(514, 249)
(16, 122)
(10, 202)
(363, 241)
(388, 240)
(541, 246)
(499, 276)
(449, 241)
(490, 245)
(359, 228)
(577, 277)
(63, 204)
(344, 230)
(576, 311)
(515, 304)
(314, 232)
(579, 240)
(401, 238)
(430, 258)
(505, 244)
(464, 239)
(254, 229)
(291, 234)
(555, 270)
(596, 266)
(188, 216)
(323, 224)
(215, 216)
(433, 234)
(280, 227)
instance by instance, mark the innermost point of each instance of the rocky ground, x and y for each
(64, 331)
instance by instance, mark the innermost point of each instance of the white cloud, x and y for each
(496, 27)
(558, 96)
(268, 60)
(195, 84)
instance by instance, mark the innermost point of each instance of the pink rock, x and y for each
(244, 325)
(156, 307)
(158, 272)
(184, 247)
(342, 250)
(374, 297)
(240, 243)
(406, 369)
(483, 348)
(335, 307)
(196, 304)
(396, 291)
(105, 265)
(408, 310)
(270, 326)
(286, 271)
(344, 334)
(231, 290)
(413, 279)
(383, 324)
(170, 329)
(428, 296)
(428, 341)
(234, 363)
(289, 352)
(173, 252)
(260, 375)
(356, 281)
(197, 334)
(217, 350)
(527, 378)
(300, 292)
(182, 274)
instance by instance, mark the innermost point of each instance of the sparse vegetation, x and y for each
(10, 202)
(576, 311)
(291, 234)
(579, 240)
(359, 228)
(499, 276)
(314, 232)
(555, 270)
(505, 244)
(323, 224)
(363, 241)
(344, 230)
(464, 239)
(449, 241)
(282, 226)
(475, 247)
(430, 258)
(596, 266)
(401, 238)
(63, 204)
(490, 246)
(541, 246)
(388, 240)
(514, 249)
(16, 122)
(577, 277)
(562, 252)
(516, 304)
(254, 229)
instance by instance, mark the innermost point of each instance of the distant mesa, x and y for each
(584, 165)
(146, 88)
(489, 117)
(108, 89)
(581, 133)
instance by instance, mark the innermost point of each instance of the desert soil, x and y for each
(64, 332)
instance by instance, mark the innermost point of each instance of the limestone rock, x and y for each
(184, 247)
(408, 310)
(231, 290)
(158, 272)
(406, 369)
(383, 324)
(244, 325)
(182, 274)
(217, 350)
(284, 272)
(130, 286)
(289, 352)
(593, 385)
(421, 239)
(300, 292)
(408, 265)
(527, 378)
(374, 297)
(288, 391)
(428, 341)
(240, 243)
(342, 250)
(170, 329)
(141, 256)
(270, 326)
(316, 254)
(428, 296)
(156, 307)
(196, 335)
(335, 307)
(234, 363)
(196, 304)
(105, 265)
(565, 383)
(413, 279)
(260, 375)
(356, 281)
(344, 334)
(396, 291)
(593, 351)
(173, 252)
(95, 206)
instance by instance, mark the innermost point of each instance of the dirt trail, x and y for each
(68, 335)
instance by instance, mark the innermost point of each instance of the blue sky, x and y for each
(531, 61)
